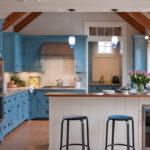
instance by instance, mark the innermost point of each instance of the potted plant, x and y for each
(115, 79)
(140, 79)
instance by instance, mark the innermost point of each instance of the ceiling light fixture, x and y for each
(114, 39)
(71, 39)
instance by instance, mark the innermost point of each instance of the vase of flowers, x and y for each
(140, 79)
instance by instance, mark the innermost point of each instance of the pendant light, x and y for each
(114, 38)
(71, 39)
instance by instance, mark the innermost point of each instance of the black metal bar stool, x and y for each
(120, 118)
(75, 118)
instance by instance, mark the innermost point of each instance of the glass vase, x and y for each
(140, 88)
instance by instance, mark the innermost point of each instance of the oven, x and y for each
(146, 127)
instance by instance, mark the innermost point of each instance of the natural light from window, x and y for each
(105, 47)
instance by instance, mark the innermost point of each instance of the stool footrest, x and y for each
(73, 144)
(119, 144)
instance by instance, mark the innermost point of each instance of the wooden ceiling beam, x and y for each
(11, 19)
(26, 21)
(132, 22)
(141, 19)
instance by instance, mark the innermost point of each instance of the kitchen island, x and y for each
(97, 107)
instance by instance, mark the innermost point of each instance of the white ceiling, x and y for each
(79, 5)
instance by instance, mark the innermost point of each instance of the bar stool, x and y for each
(75, 118)
(120, 118)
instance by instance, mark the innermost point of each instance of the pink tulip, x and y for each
(134, 71)
(148, 74)
(130, 74)
(145, 73)
(139, 72)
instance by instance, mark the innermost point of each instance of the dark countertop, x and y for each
(94, 95)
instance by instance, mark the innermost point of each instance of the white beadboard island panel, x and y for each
(97, 109)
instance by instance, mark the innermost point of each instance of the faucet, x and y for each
(59, 83)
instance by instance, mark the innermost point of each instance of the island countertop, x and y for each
(94, 95)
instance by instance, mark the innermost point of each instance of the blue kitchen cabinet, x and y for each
(32, 60)
(12, 52)
(1, 37)
(80, 54)
(139, 53)
(15, 112)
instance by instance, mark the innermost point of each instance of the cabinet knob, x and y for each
(47, 111)
(97, 88)
(16, 65)
(47, 101)
(4, 127)
(15, 98)
(18, 105)
(9, 100)
(5, 102)
(9, 110)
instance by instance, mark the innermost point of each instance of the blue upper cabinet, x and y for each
(1, 37)
(32, 61)
(80, 54)
(12, 52)
(140, 53)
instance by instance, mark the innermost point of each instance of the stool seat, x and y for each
(74, 117)
(120, 117)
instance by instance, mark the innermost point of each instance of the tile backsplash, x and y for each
(54, 69)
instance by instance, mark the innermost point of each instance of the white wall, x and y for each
(59, 23)
(107, 66)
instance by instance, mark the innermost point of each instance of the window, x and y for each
(104, 49)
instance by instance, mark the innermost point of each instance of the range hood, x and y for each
(58, 50)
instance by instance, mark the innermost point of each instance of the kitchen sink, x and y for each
(47, 87)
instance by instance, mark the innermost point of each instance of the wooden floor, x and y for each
(31, 135)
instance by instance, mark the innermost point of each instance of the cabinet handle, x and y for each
(5, 102)
(9, 124)
(9, 100)
(47, 111)
(16, 65)
(35, 93)
(24, 102)
(47, 101)
(9, 110)
(4, 113)
(4, 127)
(18, 105)
(21, 96)
(15, 98)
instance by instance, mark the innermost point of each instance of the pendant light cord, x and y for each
(71, 18)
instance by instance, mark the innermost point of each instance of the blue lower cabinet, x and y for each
(1, 134)
(15, 112)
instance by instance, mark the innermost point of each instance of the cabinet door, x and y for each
(7, 52)
(140, 53)
(32, 60)
(79, 54)
(18, 53)
(35, 108)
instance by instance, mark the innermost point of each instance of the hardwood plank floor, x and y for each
(31, 135)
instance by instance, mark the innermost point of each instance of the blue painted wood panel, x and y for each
(1, 38)
(32, 61)
(12, 52)
(139, 53)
